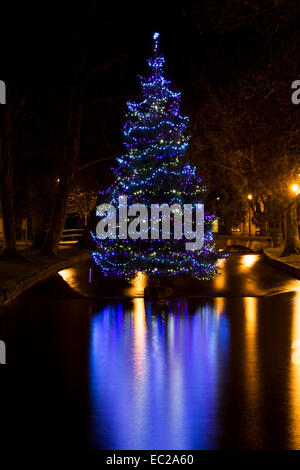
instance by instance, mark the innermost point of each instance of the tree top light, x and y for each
(155, 37)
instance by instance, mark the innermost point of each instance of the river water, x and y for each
(216, 368)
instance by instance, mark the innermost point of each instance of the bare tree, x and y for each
(70, 159)
(292, 241)
(8, 114)
(82, 202)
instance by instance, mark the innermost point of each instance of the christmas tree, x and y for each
(153, 171)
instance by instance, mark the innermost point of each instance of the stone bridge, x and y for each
(231, 242)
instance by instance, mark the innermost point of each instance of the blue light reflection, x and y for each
(155, 374)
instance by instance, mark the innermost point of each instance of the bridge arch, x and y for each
(251, 244)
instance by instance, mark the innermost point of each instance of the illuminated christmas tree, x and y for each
(153, 171)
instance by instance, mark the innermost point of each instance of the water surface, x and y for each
(212, 369)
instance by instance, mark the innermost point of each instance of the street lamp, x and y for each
(249, 199)
(295, 188)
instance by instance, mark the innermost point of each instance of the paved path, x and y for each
(18, 275)
(289, 264)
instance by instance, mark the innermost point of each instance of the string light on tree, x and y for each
(153, 171)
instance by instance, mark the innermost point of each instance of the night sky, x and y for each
(42, 42)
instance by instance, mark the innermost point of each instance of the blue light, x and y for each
(152, 170)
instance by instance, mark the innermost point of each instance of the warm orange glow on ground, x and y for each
(248, 261)
(68, 276)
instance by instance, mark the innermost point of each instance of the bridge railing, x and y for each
(255, 243)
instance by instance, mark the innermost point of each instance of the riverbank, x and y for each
(16, 276)
(290, 264)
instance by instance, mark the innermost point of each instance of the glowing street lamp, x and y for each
(249, 199)
(295, 188)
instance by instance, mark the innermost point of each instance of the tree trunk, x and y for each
(70, 158)
(261, 220)
(39, 217)
(226, 225)
(292, 242)
(38, 231)
(7, 189)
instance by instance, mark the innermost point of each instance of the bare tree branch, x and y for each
(108, 64)
(93, 162)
